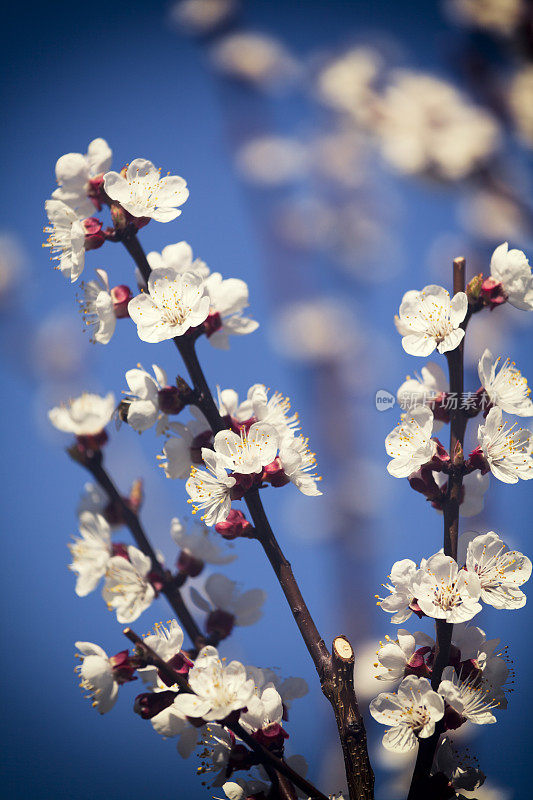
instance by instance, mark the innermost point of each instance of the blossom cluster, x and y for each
(438, 693)
(196, 706)
(261, 447)
(439, 588)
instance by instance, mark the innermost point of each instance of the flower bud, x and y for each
(243, 483)
(148, 704)
(212, 324)
(94, 236)
(272, 737)
(123, 667)
(121, 296)
(91, 443)
(235, 525)
(274, 474)
(204, 439)
(189, 565)
(135, 500)
(96, 192)
(492, 293)
(119, 216)
(220, 623)
(173, 399)
(452, 719)
(477, 460)
(473, 289)
(120, 549)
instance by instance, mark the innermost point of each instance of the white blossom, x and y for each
(66, 239)
(431, 320)
(506, 450)
(202, 16)
(246, 608)
(171, 723)
(426, 125)
(401, 596)
(289, 689)
(210, 490)
(91, 552)
(511, 269)
(254, 58)
(395, 655)
(178, 258)
(240, 789)
(96, 676)
(273, 410)
(248, 452)
(423, 389)
(217, 743)
(501, 16)
(126, 588)
(298, 463)
(166, 641)
(228, 297)
(411, 712)
(98, 307)
(444, 591)
(506, 387)
(86, 415)
(520, 100)
(143, 410)
(144, 193)
(93, 499)
(258, 406)
(501, 571)
(174, 303)
(198, 541)
(410, 444)
(217, 690)
(73, 172)
(460, 774)
(263, 709)
(470, 698)
(347, 82)
(177, 458)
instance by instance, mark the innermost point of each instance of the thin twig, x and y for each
(264, 755)
(170, 588)
(444, 630)
(337, 687)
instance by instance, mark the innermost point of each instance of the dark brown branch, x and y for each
(170, 588)
(420, 786)
(334, 681)
(265, 756)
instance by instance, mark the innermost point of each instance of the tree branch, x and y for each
(265, 756)
(444, 630)
(94, 464)
(335, 683)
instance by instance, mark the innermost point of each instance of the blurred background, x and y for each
(337, 154)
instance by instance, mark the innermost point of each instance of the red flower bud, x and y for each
(91, 443)
(274, 474)
(212, 324)
(121, 297)
(120, 549)
(492, 293)
(477, 460)
(123, 667)
(148, 704)
(189, 565)
(234, 525)
(94, 236)
(220, 622)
